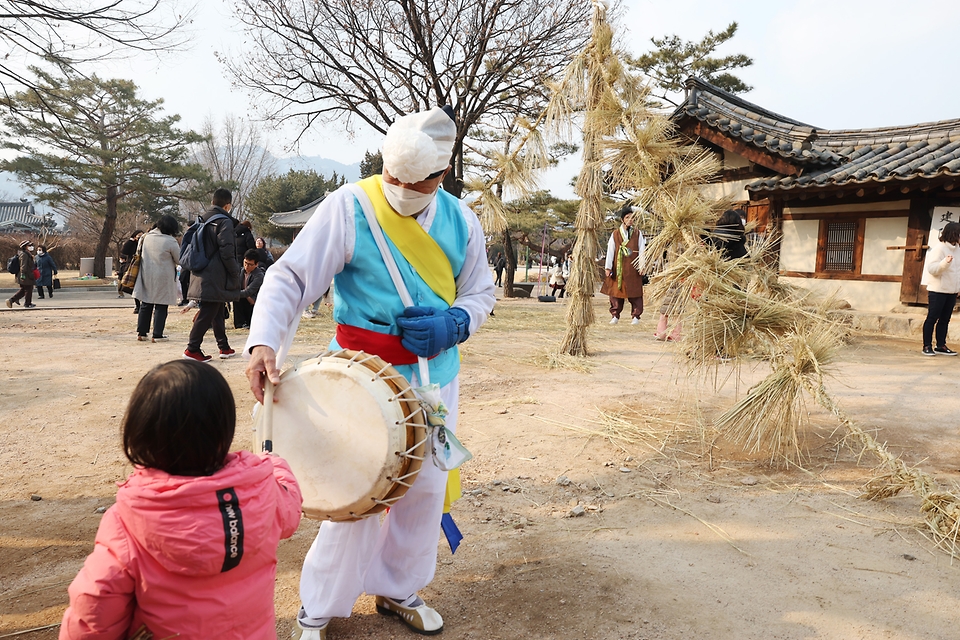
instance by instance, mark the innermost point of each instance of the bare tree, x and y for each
(370, 62)
(237, 156)
(71, 32)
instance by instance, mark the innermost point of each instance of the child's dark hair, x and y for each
(951, 233)
(181, 419)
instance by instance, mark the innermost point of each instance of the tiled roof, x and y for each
(298, 217)
(743, 120)
(18, 216)
(828, 158)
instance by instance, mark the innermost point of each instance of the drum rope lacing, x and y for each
(407, 422)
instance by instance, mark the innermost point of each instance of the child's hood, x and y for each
(193, 525)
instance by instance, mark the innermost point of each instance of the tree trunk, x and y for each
(103, 243)
(511, 269)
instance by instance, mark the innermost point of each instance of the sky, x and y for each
(832, 64)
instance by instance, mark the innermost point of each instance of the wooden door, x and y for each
(918, 228)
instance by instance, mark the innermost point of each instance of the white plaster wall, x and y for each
(863, 296)
(733, 189)
(733, 160)
(878, 234)
(798, 250)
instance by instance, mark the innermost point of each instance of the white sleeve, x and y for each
(476, 293)
(641, 250)
(611, 252)
(303, 273)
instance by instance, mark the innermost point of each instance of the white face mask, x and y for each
(407, 202)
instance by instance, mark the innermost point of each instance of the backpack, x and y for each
(13, 264)
(193, 256)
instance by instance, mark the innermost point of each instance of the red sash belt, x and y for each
(383, 345)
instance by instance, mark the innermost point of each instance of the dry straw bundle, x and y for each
(768, 418)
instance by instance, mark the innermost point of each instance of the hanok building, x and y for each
(857, 208)
(22, 218)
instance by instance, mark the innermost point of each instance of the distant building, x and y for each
(21, 217)
(857, 208)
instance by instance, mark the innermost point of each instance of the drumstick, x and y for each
(267, 415)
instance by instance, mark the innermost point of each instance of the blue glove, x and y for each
(426, 331)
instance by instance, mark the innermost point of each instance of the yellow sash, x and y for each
(415, 244)
(430, 263)
(454, 492)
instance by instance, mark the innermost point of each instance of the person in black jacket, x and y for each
(729, 235)
(219, 282)
(252, 278)
(245, 240)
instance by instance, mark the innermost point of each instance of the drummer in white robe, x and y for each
(442, 260)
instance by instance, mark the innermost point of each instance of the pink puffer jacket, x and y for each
(191, 558)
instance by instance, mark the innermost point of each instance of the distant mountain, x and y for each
(323, 166)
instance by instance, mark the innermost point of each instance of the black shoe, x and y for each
(39, 297)
(944, 351)
(928, 351)
(31, 306)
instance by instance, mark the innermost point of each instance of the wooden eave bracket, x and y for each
(697, 129)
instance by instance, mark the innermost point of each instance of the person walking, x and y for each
(498, 266)
(26, 276)
(48, 268)
(156, 286)
(624, 281)
(438, 248)
(558, 282)
(219, 282)
(127, 251)
(253, 275)
(942, 277)
(245, 239)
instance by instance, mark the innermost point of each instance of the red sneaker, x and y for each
(226, 353)
(199, 356)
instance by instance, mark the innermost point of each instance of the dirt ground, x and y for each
(681, 536)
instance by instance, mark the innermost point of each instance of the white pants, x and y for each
(395, 559)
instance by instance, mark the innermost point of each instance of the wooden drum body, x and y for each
(351, 429)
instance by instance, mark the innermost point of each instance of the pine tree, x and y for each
(90, 144)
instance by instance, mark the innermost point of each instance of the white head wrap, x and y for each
(419, 144)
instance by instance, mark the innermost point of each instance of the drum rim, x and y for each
(416, 426)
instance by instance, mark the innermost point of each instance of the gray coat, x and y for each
(220, 281)
(157, 280)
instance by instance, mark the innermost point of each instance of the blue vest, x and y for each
(364, 295)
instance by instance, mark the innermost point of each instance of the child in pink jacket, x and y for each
(189, 550)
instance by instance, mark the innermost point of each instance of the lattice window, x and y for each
(839, 250)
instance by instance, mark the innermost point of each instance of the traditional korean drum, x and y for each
(352, 430)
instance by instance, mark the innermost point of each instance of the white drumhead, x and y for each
(336, 423)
